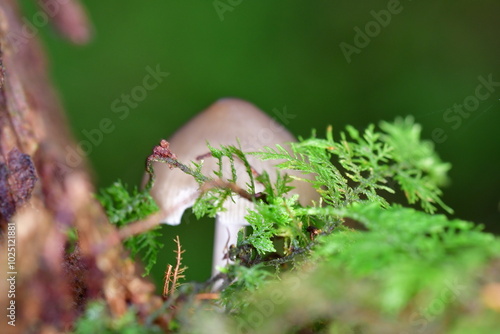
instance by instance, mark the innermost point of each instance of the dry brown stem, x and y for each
(173, 275)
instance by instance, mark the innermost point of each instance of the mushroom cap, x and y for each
(223, 123)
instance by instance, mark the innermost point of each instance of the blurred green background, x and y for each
(288, 54)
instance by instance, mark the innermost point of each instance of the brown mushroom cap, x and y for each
(223, 123)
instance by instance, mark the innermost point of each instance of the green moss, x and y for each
(299, 268)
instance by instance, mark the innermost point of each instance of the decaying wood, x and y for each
(43, 193)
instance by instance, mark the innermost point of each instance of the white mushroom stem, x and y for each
(225, 236)
(227, 225)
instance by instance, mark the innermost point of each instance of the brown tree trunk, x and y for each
(43, 193)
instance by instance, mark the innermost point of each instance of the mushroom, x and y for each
(225, 122)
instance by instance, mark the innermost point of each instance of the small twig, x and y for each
(141, 226)
(203, 156)
(173, 275)
(162, 153)
(227, 185)
(207, 296)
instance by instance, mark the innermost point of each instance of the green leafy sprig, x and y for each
(123, 207)
(369, 162)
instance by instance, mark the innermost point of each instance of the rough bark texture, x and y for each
(42, 194)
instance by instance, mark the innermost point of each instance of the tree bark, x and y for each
(44, 192)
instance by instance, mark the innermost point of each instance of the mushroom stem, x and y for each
(227, 225)
(225, 236)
